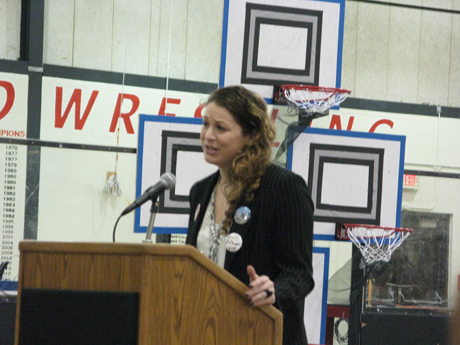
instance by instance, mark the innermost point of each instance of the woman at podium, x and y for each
(251, 217)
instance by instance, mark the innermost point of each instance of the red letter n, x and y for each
(337, 123)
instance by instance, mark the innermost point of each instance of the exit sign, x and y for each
(410, 181)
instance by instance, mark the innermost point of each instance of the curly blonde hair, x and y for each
(250, 111)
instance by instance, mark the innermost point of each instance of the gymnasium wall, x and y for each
(400, 59)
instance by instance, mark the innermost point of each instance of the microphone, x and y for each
(167, 181)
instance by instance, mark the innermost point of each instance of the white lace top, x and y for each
(205, 238)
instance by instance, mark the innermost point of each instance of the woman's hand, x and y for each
(262, 289)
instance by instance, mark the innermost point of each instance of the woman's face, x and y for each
(222, 137)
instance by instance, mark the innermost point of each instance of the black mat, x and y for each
(52, 317)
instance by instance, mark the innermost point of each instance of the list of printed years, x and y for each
(12, 190)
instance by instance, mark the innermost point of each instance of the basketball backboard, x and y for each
(266, 44)
(354, 177)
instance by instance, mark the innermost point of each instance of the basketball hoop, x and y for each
(309, 103)
(309, 99)
(376, 243)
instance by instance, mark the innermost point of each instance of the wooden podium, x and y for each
(184, 298)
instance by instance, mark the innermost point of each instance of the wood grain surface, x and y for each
(185, 298)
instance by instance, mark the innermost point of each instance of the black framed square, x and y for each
(174, 142)
(345, 161)
(259, 14)
(369, 158)
(308, 28)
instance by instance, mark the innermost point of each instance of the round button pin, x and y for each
(233, 242)
(242, 215)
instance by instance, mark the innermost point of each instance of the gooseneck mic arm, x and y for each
(167, 181)
(153, 213)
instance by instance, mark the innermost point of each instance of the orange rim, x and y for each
(300, 87)
(350, 226)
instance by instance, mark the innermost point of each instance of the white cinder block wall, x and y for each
(390, 53)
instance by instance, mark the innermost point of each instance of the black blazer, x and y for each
(277, 241)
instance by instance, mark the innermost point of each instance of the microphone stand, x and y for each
(153, 213)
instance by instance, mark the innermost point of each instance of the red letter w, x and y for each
(59, 119)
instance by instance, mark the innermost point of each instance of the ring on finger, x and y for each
(268, 292)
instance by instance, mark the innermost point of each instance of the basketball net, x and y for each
(309, 102)
(376, 243)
